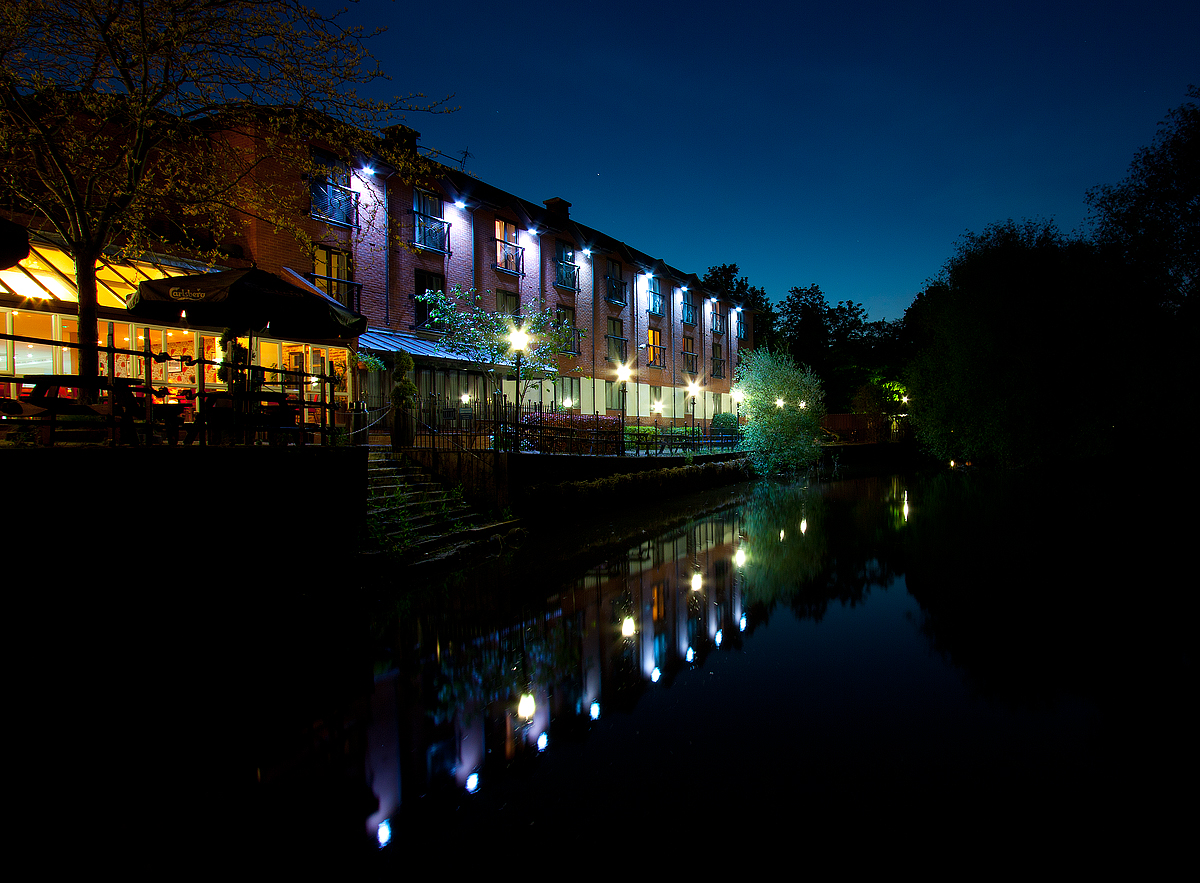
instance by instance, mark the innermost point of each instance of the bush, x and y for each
(724, 423)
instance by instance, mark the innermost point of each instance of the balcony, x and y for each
(615, 291)
(718, 368)
(430, 233)
(688, 314)
(566, 275)
(617, 347)
(689, 362)
(718, 323)
(656, 356)
(510, 258)
(656, 303)
(334, 203)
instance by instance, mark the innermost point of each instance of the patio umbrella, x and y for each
(247, 301)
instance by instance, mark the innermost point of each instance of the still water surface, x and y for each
(941, 647)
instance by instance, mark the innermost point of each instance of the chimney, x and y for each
(558, 206)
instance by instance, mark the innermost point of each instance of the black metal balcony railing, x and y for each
(431, 233)
(656, 304)
(688, 314)
(332, 202)
(614, 291)
(566, 275)
(718, 367)
(656, 356)
(572, 345)
(689, 362)
(510, 257)
(345, 292)
(718, 323)
(616, 348)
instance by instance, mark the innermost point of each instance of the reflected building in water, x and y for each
(484, 700)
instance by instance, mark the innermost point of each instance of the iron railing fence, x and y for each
(501, 425)
(256, 404)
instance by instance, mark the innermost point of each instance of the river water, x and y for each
(952, 648)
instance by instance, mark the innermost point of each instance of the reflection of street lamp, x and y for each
(693, 389)
(738, 398)
(623, 377)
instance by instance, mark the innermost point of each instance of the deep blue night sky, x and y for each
(848, 146)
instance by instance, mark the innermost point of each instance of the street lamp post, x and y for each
(693, 389)
(518, 340)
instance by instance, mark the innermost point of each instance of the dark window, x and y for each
(656, 298)
(718, 321)
(741, 325)
(566, 272)
(565, 317)
(614, 291)
(616, 340)
(689, 355)
(718, 363)
(429, 230)
(509, 303)
(332, 198)
(688, 313)
(426, 282)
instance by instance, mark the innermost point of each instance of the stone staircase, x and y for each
(408, 508)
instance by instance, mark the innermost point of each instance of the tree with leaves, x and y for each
(476, 334)
(783, 404)
(1016, 351)
(129, 124)
(1152, 218)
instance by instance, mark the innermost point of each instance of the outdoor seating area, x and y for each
(258, 406)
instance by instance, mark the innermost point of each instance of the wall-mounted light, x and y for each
(459, 204)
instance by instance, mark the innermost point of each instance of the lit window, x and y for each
(429, 230)
(566, 272)
(655, 351)
(333, 275)
(510, 257)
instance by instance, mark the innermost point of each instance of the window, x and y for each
(616, 340)
(429, 230)
(565, 318)
(656, 399)
(332, 198)
(741, 325)
(718, 363)
(566, 272)
(566, 391)
(655, 351)
(656, 298)
(614, 291)
(689, 355)
(613, 397)
(426, 282)
(688, 314)
(332, 274)
(509, 303)
(718, 321)
(510, 257)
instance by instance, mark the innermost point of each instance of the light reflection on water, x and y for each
(830, 679)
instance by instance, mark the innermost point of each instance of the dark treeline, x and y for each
(1031, 347)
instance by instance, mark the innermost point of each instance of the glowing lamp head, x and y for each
(526, 707)
(779, 403)
(466, 398)
(518, 339)
(627, 627)
(697, 582)
(623, 373)
(739, 396)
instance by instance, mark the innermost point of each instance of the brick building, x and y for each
(379, 240)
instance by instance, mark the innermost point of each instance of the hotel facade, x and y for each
(377, 242)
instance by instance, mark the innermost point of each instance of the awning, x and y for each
(423, 351)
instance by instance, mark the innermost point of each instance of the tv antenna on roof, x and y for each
(462, 163)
